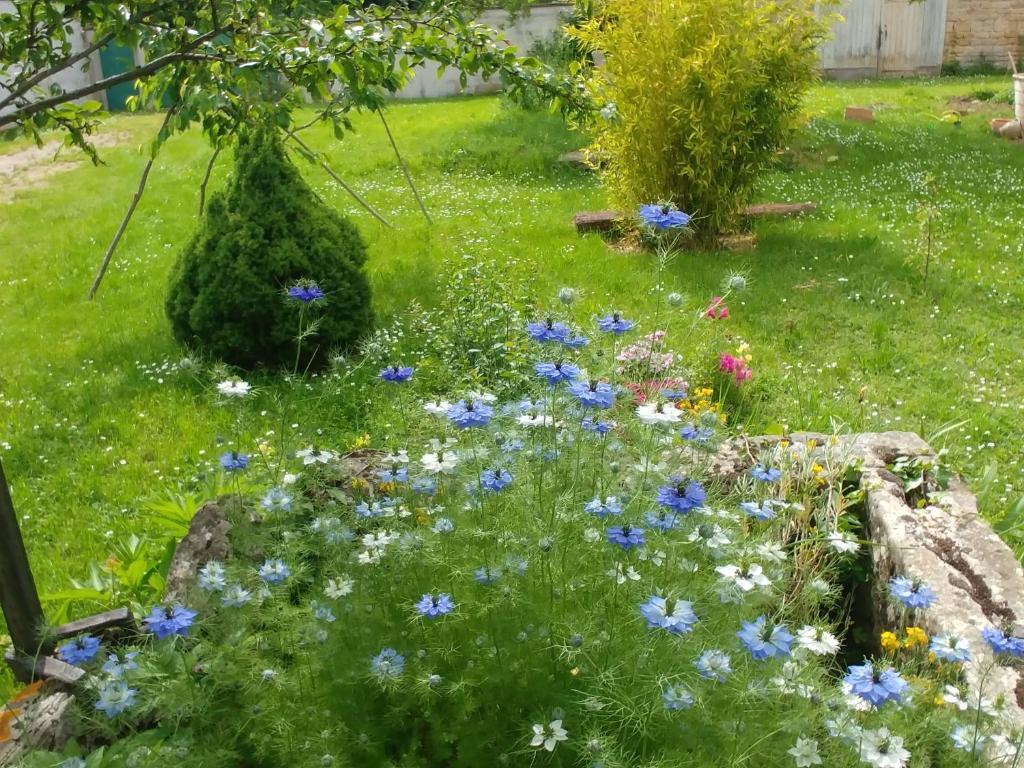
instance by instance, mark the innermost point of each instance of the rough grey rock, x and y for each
(207, 540)
(44, 722)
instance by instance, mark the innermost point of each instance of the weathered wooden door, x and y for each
(886, 37)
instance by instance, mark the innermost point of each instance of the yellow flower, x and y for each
(265, 448)
(422, 518)
(363, 441)
(387, 488)
(359, 484)
(890, 642)
(915, 637)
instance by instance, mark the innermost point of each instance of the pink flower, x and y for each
(670, 389)
(717, 310)
(737, 366)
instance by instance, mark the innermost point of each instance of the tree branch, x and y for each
(38, 77)
(405, 170)
(131, 209)
(206, 179)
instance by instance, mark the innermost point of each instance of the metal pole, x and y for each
(18, 597)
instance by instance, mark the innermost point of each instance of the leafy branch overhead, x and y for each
(224, 63)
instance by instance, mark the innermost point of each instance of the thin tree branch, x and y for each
(206, 180)
(38, 77)
(131, 210)
(405, 169)
(330, 172)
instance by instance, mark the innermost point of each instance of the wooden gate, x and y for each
(886, 37)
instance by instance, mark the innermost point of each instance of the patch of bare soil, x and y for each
(968, 105)
(30, 168)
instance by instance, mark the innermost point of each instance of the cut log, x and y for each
(44, 668)
(608, 221)
(767, 210)
(743, 241)
(107, 622)
(579, 159)
(597, 221)
(860, 114)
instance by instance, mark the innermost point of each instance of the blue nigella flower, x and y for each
(664, 520)
(663, 217)
(166, 621)
(233, 461)
(115, 666)
(432, 607)
(548, 330)
(912, 594)
(557, 372)
(766, 474)
(235, 596)
(575, 342)
(397, 373)
(443, 525)
(614, 323)
(765, 640)
(675, 616)
(948, 648)
(626, 536)
(874, 686)
(425, 485)
(495, 479)
(1002, 642)
(696, 434)
(593, 394)
(609, 506)
(598, 427)
(306, 292)
(81, 650)
(714, 665)
(389, 663)
(465, 415)
(396, 475)
(276, 500)
(676, 697)
(274, 571)
(682, 495)
(486, 576)
(115, 697)
(760, 512)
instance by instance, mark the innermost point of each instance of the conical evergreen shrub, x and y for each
(266, 231)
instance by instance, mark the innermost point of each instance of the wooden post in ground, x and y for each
(18, 597)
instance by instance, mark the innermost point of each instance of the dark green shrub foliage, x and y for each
(266, 231)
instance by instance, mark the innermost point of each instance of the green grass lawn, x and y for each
(96, 415)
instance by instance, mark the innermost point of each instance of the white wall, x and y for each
(539, 23)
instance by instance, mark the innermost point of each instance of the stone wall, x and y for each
(984, 30)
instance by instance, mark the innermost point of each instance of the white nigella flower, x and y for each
(968, 739)
(746, 580)
(437, 407)
(313, 455)
(843, 542)
(656, 557)
(483, 397)
(882, 749)
(392, 459)
(621, 575)
(711, 537)
(235, 596)
(805, 753)
(771, 551)
(536, 420)
(338, 588)
(954, 697)
(817, 641)
(844, 728)
(657, 413)
(234, 388)
(591, 535)
(853, 702)
(289, 478)
(550, 736)
(818, 586)
(441, 462)
(211, 577)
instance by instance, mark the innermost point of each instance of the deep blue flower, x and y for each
(486, 576)
(593, 394)
(604, 508)
(664, 520)
(911, 593)
(760, 512)
(663, 217)
(274, 571)
(714, 665)
(165, 621)
(548, 330)
(495, 479)
(557, 372)
(765, 640)
(614, 323)
(682, 495)
(115, 697)
(465, 415)
(766, 474)
(675, 616)
(81, 650)
(575, 342)
(874, 686)
(626, 536)
(598, 427)
(389, 663)
(697, 434)
(1002, 642)
(233, 461)
(306, 292)
(397, 373)
(676, 697)
(432, 607)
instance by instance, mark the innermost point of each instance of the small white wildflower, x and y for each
(550, 736)
(234, 388)
(805, 753)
